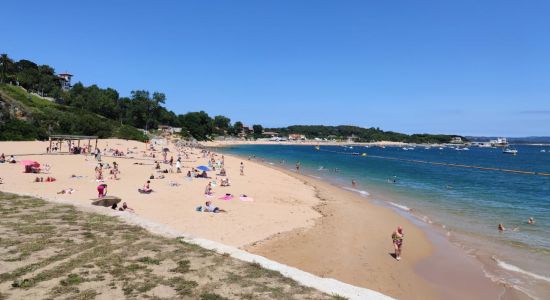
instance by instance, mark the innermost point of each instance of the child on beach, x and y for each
(146, 188)
(101, 190)
(397, 238)
(208, 189)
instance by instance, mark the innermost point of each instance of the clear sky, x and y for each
(470, 67)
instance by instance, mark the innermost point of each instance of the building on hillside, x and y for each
(169, 129)
(296, 137)
(352, 138)
(271, 133)
(456, 140)
(65, 80)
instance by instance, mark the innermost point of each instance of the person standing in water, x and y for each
(353, 183)
(397, 238)
(297, 166)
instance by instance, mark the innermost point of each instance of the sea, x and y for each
(462, 194)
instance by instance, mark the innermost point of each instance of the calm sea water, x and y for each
(467, 204)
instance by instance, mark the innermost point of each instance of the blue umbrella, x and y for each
(203, 168)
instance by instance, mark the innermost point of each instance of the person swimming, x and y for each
(531, 221)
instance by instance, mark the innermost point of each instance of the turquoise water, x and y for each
(465, 203)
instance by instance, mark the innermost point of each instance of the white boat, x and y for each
(542, 150)
(441, 148)
(510, 151)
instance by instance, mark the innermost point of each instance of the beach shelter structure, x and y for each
(70, 139)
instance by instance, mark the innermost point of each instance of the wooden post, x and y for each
(96, 143)
(50, 144)
(78, 143)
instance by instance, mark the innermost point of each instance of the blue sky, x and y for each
(468, 67)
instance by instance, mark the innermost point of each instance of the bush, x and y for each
(129, 133)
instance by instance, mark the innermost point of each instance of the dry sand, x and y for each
(284, 222)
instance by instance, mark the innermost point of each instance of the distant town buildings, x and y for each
(169, 129)
(296, 137)
(457, 140)
(499, 142)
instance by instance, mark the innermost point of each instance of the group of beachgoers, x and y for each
(530, 221)
(10, 160)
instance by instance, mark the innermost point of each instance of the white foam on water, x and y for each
(361, 192)
(400, 206)
(510, 267)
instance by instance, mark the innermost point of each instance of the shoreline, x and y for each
(445, 255)
(284, 206)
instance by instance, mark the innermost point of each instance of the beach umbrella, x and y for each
(33, 163)
(203, 168)
(166, 150)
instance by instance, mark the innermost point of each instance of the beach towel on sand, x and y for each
(246, 198)
(226, 197)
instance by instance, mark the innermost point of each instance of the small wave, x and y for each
(513, 268)
(403, 207)
(363, 193)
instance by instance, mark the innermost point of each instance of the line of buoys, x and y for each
(443, 163)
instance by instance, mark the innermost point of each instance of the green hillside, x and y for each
(24, 116)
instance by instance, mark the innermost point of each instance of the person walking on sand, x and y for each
(397, 238)
(242, 168)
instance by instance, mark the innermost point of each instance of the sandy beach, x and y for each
(293, 219)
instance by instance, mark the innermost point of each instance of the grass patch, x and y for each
(148, 260)
(183, 287)
(183, 267)
(72, 279)
(212, 296)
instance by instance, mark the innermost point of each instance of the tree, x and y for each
(7, 68)
(238, 127)
(197, 124)
(221, 124)
(258, 129)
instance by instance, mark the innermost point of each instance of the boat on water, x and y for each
(542, 150)
(462, 149)
(317, 148)
(510, 151)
